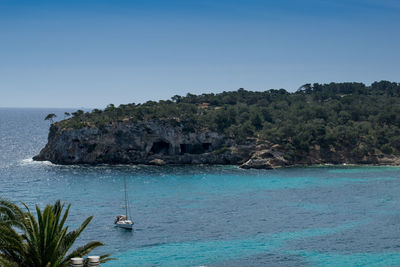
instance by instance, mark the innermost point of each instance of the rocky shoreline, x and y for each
(160, 142)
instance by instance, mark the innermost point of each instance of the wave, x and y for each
(30, 161)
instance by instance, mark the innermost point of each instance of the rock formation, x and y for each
(151, 142)
(158, 142)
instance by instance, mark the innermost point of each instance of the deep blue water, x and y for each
(214, 216)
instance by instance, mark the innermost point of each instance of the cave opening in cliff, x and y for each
(185, 148)
(206, 147)
(195, 148)
(160, 147)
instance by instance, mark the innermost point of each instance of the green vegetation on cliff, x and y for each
(354, 116)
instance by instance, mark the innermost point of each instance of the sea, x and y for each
(210, 215)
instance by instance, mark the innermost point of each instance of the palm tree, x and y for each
(11, 243)
(43, 241)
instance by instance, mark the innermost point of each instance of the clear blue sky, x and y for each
(90, 53)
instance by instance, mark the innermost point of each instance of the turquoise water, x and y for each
(212, 215)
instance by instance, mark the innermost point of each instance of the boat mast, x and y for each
(126, 200)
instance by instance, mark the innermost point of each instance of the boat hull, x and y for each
(125, 226)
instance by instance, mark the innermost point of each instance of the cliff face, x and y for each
(268, 156)
(150, 142)
(162, 142)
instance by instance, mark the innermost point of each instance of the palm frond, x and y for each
(41, 240)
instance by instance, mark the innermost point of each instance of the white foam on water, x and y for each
(27, 160)
(30, 161)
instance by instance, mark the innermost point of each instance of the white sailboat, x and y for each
(123, 221)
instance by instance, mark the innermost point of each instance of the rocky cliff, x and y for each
(161, 142)
(269, 156)
(151, 142)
